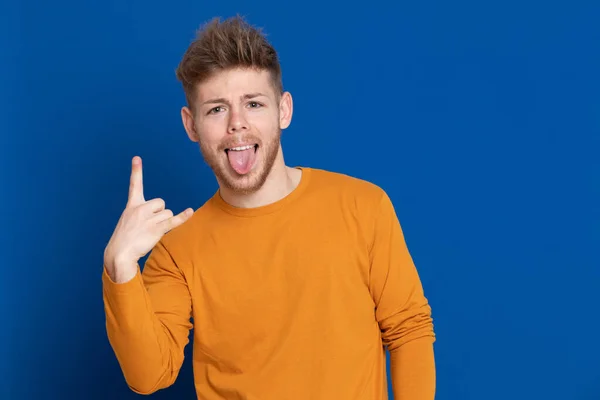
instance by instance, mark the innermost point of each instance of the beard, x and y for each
(266, 154)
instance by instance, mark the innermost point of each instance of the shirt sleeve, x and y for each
(148, 320)
(401, 308)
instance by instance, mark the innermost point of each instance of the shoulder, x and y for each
(346, 187)
(363, 200)
(360, 202)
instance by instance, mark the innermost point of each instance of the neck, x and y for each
(280, 182)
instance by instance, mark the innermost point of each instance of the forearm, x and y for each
(143, 347)
(412, 368)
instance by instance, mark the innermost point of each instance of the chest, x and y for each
(251, 285)
(253, 265)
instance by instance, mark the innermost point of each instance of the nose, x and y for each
(237, 122)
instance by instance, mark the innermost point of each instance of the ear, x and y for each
(187, 117)
(286, 109)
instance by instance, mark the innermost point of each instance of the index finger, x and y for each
(136, 185)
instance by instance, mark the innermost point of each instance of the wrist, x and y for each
(120, 268)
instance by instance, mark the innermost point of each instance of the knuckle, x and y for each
(154, 204)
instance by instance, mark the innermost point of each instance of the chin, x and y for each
(247, 183)
(244, 178)
(242, 184)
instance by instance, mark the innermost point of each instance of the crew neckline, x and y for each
(267, 208)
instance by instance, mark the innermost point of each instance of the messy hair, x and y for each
(222, 45)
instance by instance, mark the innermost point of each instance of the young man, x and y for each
(297, 279)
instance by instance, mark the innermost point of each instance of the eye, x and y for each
(215, 110)
(254, 104)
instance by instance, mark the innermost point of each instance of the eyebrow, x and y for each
(247, 96)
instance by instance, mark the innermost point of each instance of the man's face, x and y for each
(237, 122)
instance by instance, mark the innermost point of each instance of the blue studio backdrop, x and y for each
(480, 119)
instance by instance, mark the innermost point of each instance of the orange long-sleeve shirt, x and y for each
(293, 300)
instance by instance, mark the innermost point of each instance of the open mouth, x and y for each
(242, 158)
(242, 148)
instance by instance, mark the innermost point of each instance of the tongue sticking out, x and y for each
(241, 161)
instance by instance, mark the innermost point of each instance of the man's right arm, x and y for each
(148, 321)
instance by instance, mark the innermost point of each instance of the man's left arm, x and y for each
(401, 309)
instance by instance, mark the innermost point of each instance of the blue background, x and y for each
(480, 119)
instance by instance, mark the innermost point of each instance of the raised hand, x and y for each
(142, 224)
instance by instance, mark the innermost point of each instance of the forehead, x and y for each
(233, 83)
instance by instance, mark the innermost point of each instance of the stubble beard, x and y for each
(251, 182)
